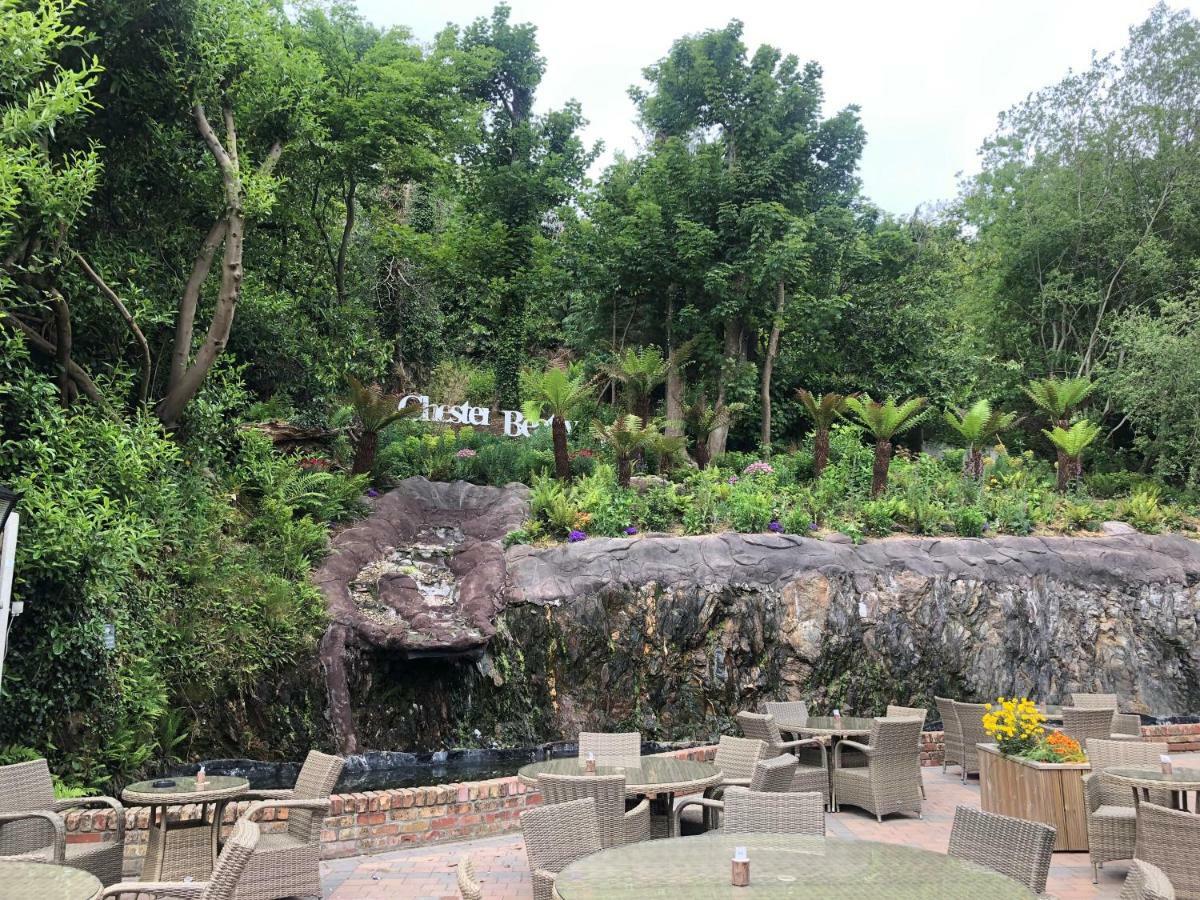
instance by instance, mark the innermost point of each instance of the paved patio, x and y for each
(428, 873)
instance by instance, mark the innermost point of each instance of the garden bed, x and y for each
(1037, 791)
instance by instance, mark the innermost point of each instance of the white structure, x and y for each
(8, 607)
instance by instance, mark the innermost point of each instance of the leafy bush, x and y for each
(968, 521)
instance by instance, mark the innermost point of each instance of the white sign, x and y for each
(515, 423)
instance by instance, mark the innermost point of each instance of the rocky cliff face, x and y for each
(440, 638)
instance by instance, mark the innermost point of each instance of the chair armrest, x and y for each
(853, 745)
(1092, 791)
(685, 802)
(1127, 723)
(812, 742)
(283, 794)
(185, 890)
(637, 823)
(99, 800)
(59, 855)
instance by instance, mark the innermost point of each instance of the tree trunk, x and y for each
(973, 463)
(733, 351)
(562, 459)
(364, 453)
(820, 450)
(674, 410)
(769, 365)
(624, 469)
(879, 471)
(339, 271)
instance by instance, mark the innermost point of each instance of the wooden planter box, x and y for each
(1037, 791)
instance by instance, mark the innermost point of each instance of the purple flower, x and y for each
(775, 526)
(371, 492)
(812, 526)
(465, 453)
(576, 536)
(733, 480)
(759, 468)
(631, 530)
(985, 526)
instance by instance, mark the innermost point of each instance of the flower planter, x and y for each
(1037, 791)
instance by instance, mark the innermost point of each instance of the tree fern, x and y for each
(978, 426)
(1071, 444)
(884, 420)
(824, 410)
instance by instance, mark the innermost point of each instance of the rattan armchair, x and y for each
(910, 712)
(1094, 701)
(468, 887)
(952, 739)
(811, 775)
(222, 884)
(970, 725)
(1014, 847)
(555, 836)
(1170, 839)
(890, 782)
(607, 792)
(288, 863)
(789, 710)
(1146, 882)
(1111, 815)
(1099, 722)
(622, 744)
(760, 812)
(31, 824)
(736, 758)
(772, 776)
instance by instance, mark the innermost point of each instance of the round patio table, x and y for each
(783, 865)
(657, 777)
(1143, 779)
(186, 848)
(47, 881)
(828, 726)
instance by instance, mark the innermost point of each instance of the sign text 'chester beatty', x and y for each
(515, 424)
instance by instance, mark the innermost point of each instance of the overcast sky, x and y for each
(929, 75)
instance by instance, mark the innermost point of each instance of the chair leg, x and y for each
(879, 818)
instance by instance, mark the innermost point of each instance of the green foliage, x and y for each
(1074, 440)
(887, 419)
(1059, 397)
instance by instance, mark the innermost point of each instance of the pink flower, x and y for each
(758, 468)
(466, 453)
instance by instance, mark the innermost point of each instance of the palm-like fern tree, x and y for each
(824, 410)
(559, 395)
(978, 426)
(884, 420)
(639, 372)
(374, 411)
(625, 437)
(1057, 398)
(701, 420)
(1071, 443)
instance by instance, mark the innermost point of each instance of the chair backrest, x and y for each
(607, 793)
(1104, 754)
(1094, 701)
(970, 723)
(26, 785)
(786, 710)
(907, 712)
(1083, 724)
(557, 834)
(774, 776)
(624, 743)
(763, 727)
(1014, 847)
(950, 726)
(1170, 840)
(1146, 882)
(895, 739)
(749, 812)
(317, 778)
(468, 887)
(736, 756)
(231, 864)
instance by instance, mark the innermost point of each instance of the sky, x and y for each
(930, 76)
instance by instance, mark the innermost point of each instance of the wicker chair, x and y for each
(1146, 882)
(1170, 840)
(1013, 847)
(811, 774)
(607, 792)
(555, 836)
(1094, 701)
(909, 712)
(468, 887)
(891, 780)
(1084, 724)
(758, 812)
(791, 710)
(736, 758)
(771, 776)
(222, 884)
(952, 740)
(31, 823)
(623, 744)
(970, 725)
(288, 863)
(1111, 815)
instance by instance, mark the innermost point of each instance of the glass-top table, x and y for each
(643, 774)
(47, 881)
(1143, 779)
(828, 726)
(791, 866)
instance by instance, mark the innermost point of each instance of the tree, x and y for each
(373, 411)
(639, 372)
(884, 420)
(824, 410)
(1071, 443)
(1057, 399)
(625, 437)
(978, 426)
(559, 395)
(701, 419)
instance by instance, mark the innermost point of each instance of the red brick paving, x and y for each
(428, 873)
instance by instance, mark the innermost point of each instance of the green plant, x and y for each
(624, 437)
(702, 419)
(884, 421)
(550, 503)
(824, 410)
(1143, 510)
(559, 395)
(968, 521)
(639, 371)
(1071, 444)
(750, 510)
(374, 411)
(978, 426)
